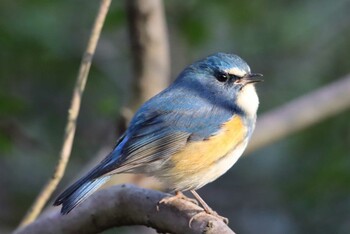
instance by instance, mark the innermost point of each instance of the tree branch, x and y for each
(129, 205)
(73, 113)
(149, 45)
(301, 113)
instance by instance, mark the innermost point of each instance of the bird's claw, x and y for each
(178, 195)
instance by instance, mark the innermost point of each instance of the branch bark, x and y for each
(301, 113)
(73, 113)
(129, 205)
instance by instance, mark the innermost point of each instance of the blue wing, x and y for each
(164, 125)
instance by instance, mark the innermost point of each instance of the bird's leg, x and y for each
(178, 195)
(206, 208)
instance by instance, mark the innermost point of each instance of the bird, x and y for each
(186, 136)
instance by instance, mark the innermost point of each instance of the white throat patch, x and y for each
(248, 100)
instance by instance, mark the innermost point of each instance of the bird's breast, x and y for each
(201, 162)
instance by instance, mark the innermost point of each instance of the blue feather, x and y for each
(79, 192)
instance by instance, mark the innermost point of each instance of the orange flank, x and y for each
(201, 155)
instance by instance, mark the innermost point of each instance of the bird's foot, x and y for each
(178, 195)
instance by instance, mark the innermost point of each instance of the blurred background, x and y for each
(297, 184)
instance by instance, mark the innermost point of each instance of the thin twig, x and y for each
(73, 113)
(129, 205)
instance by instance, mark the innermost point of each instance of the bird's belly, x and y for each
(183, 181)
(220, 167)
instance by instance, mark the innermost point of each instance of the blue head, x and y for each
(224, 77)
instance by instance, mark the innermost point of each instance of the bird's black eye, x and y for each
(222, 77)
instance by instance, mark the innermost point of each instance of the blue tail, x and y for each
(78, 192)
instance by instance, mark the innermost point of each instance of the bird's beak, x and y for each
(251, 78)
